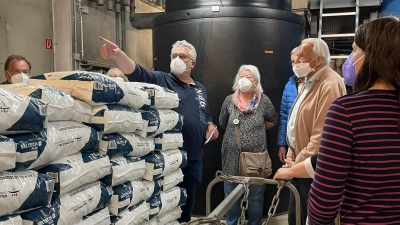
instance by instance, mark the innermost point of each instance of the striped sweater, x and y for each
(358, 167)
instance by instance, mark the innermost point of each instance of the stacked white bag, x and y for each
(25, 190)
(65, 153)
(130, 118)
(164, 165)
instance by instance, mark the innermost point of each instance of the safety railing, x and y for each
(215, 217)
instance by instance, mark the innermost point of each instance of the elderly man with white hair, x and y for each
(304, 128)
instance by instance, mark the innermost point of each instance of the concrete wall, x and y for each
(139, 43)
(24, 25)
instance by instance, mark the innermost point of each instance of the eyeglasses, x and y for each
(181, 56)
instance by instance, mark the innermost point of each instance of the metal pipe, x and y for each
(357, 14)
(110, 5)
(321, 10)
(228, 202)
(132, 8)
(75, 36)
(81, 24)
(123, 29)
(54, 34)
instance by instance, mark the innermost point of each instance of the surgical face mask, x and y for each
(119, 79)
(244, 84)
(303, 69)
(349, 71)
(178, 66)
(19, 78)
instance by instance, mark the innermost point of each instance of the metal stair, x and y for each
(322, 15)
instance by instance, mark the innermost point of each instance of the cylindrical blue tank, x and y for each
(227, 34)
(390, 7)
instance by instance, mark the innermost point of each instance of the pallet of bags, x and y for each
(161, 97)
(21, 114)
(115, 118)
(7, 153)
(60, 139)
(24, 191)
(71, 207)
(125, 144)
(168, 140)
(157, 121)
(159, 164)
(98, 217)
(95, 88)
(11, 220)
(75, 170)
(134, 215)
(125, 168)
(130, 193)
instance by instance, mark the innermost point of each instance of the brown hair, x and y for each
(17, 57)
(380, 41)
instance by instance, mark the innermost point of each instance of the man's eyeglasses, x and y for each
(182, 56)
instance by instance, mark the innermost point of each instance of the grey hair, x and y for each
(294, 51)
(320, 49)
(256, 74)
(109, 72)
(184, 43)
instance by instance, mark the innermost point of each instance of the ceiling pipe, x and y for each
(132, 8)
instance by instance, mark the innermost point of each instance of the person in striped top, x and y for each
(358, 165)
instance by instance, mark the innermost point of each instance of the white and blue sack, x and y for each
(125, 144)
(77, 169)
(95, 88)
(24, 191)
(72, 206)
(125, 168)
(21, 114)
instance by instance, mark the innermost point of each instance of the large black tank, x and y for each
(257, 32)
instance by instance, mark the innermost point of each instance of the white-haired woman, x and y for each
(117, 73)
(256, 114)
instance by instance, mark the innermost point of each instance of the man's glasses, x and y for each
(181, 56)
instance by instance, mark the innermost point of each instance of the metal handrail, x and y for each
(228, 202)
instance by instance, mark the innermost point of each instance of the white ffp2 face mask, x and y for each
(303, 69)
(19, 78)
(178, 66)
(244, 84)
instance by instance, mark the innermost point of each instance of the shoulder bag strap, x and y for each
(237, 131)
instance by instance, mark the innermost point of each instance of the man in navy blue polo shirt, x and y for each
(193, 105)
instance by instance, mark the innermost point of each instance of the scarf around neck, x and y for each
(248, 107)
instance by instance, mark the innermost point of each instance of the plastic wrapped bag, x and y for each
(125, 144)
(24, 191)
(77, 169)
(95, 88)
(21, 114)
